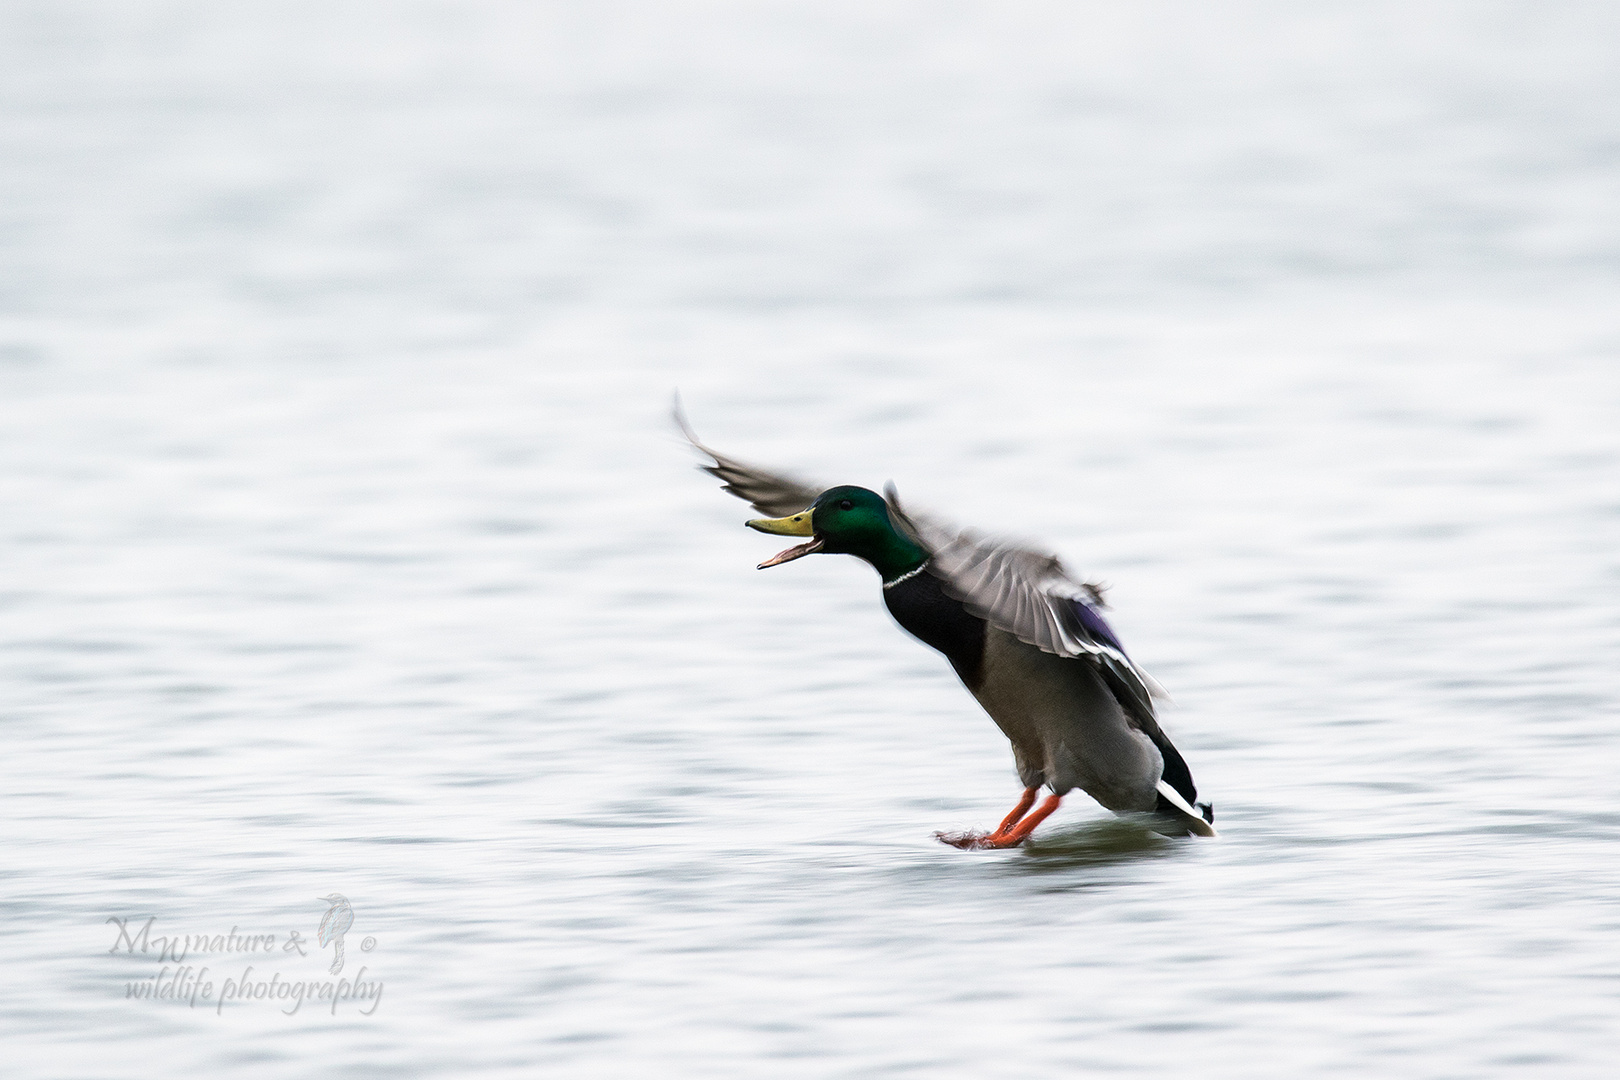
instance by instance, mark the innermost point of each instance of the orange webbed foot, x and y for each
(1012, 831)
(978, 841)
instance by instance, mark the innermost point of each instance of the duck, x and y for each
(1027, 640)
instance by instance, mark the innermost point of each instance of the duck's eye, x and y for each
(846, 504)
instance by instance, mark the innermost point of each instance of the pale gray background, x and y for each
(348, 548)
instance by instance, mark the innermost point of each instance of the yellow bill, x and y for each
(793, 525)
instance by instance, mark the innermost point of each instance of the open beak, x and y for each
(795, 525)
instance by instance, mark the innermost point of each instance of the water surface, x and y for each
(349, 547)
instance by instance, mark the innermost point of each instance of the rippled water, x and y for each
(350, 550)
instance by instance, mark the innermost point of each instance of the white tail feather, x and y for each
(1199, 825)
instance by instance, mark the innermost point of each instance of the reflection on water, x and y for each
(350, 550)
(1104, 842)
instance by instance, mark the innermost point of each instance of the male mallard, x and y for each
(1026, 639)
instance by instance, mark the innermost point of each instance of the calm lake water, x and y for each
(349, 548)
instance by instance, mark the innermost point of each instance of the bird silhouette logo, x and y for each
(334, 924)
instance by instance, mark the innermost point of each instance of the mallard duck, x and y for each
(1027, 640)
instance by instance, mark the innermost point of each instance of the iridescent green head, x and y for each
(847, 521)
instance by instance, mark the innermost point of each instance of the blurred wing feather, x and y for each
(1030, 595)
(772, 494)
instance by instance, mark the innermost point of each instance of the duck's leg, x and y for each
(971, 839)
(1020, 832)
(1018, 811)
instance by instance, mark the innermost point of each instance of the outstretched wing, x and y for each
(1030, 595)
(770, 493)
(1023, 591)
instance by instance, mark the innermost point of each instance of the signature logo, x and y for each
(188, 984)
